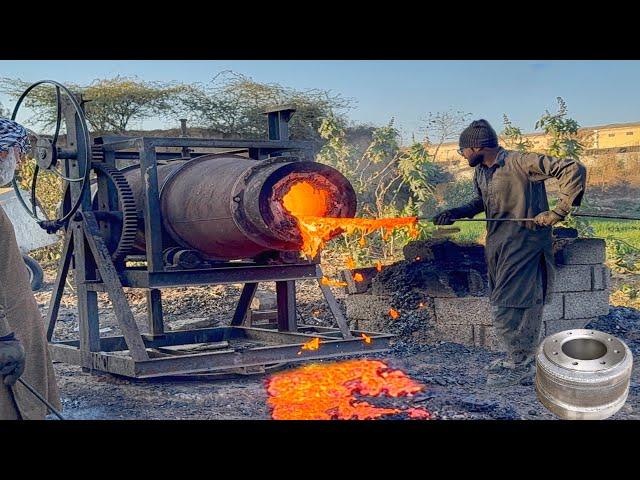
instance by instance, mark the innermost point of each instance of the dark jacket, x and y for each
(514, 187)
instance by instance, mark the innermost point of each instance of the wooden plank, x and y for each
(114, 288)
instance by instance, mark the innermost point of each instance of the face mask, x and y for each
(8, 167)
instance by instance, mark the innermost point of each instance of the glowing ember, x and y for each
(379, 266)
(351, 264)
(366, 338)
(358, 277)
(417, 259)
(332, 283)
(394, 313)
(313, 344)
(308, 205)
(325, 392)
(419, 413)
(421, 305)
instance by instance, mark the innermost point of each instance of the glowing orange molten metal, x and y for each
(351, 263)
(325, 392)
(366, 338)
(358, 277)
(313, 344)
(394, 313)
(332, 283)
(309, 205)
(379, 266)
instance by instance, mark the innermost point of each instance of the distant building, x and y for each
(602, 137)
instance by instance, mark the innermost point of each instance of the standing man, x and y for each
(23, 344)
(510, 184)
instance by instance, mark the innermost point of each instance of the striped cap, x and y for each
(13, 134)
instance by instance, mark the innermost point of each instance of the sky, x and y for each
(597, 92)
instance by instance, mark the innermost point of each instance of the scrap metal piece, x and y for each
(583, 374)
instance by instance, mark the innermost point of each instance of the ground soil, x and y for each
(452, 374)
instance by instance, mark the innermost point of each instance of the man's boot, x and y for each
(519, 373)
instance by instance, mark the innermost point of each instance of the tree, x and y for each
(111, 104)
(442, 127)
(389, 181)
(233, 105)
(514, 138)
(563, 132)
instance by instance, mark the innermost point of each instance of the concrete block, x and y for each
(555, 326)
(463, 310)
(367, 307)
(572, 278)
(264, 301)
(579, 251)
(606, 278)
(193, 323)
(462, 334)
(554, 310)
(486, 336)
(586, 304)
(368, 274)
(601, 278)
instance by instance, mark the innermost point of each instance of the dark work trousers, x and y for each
(520, 328)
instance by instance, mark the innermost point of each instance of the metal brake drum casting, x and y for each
(583, 374)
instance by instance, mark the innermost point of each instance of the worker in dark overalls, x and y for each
(23, 345)
(510, 184)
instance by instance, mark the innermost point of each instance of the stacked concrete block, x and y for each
(579, 294)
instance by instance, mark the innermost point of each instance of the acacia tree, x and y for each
(111, 104)
(234, 105)
(443, 127)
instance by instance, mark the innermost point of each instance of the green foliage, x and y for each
(514, 138)
(563, 132)
(389, 182)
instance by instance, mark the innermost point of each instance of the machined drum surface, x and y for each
(583, 374)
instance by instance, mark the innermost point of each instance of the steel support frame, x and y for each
(131, 354)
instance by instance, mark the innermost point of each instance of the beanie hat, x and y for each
(478, 134)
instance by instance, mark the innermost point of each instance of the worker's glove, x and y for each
(12, 359)
(547, 219)
(445, 218)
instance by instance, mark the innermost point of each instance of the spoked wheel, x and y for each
(45, 154)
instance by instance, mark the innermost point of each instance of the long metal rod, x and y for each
(484, 219)
(604, 216)
(39, 397)
(612, 217)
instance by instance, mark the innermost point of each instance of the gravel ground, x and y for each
(453, 374)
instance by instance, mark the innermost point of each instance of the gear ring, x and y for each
(127, 205)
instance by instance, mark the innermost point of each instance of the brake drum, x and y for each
(583, 374)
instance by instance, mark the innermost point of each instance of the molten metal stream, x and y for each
(308, 205)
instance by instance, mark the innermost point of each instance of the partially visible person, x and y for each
(23, 345)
